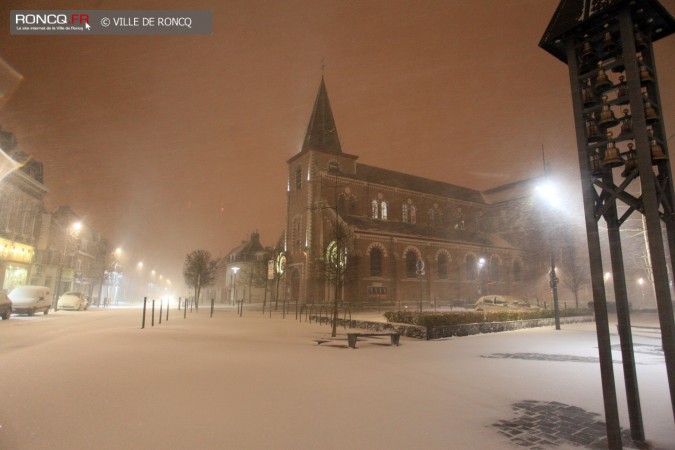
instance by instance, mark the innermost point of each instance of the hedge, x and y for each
(431, 320)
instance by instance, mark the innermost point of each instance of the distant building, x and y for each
(242, 274)
(403, 239)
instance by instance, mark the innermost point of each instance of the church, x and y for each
(375, 236)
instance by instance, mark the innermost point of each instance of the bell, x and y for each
(651, 115)
(631, 161)
(622, 91)
(607, 118)
(592, 130)
(611, 157)
(602, 82)
(640, 42)
(657, 151)
(588, 57)
(608, 45)
(596, 167)
(645, 76)
(626, 124)
(589, 98)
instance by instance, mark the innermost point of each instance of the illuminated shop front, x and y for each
(15, 260)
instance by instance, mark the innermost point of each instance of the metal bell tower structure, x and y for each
(624, 163)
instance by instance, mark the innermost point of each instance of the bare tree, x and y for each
(199, 270)
(575, 266)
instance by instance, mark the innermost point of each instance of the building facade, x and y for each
(375, 236)
(21, 212)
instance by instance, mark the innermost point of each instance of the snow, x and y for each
(94, 379)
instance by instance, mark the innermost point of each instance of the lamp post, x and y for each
(234, 270)
(71, 233)
(479, 269)
(546, 192)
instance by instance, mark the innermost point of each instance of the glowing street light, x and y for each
(71, 233)
(549, 194)
(234, 283)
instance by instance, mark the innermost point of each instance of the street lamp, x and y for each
(234, 283)
(547, 192)
(70, 234)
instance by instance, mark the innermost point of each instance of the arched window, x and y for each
(411, 265)
(432, 217)
(443, 266)
(404, 213)
(298, 178)
(375, 210)
(383, 210)
(413, 214)
(471, 267)
(375, 262)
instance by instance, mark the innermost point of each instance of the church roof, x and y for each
(321, 132)
(401, 180)
(575, 15)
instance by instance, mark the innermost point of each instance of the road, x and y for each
(96, 380)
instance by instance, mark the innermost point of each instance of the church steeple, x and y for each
(321, 132)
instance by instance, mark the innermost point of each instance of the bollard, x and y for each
(168, 303)
(179, 303)
(152, 322)
(191, 302)
(185, 309)
(161, 305)
(145, 301)
(212, 300)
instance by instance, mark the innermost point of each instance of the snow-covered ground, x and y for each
(95, 380)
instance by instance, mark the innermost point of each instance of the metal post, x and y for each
(212, 300)
(650, 203)
(168, 303)
(153, 314)
(595, 259)
(145, 301)
(161, 305)
(184, 308)
(623, 317)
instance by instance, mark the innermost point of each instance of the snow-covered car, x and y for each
(5, 306)
(502, 303)
(73, 300)
(30, 299)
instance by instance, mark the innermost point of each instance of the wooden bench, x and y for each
(353, 337)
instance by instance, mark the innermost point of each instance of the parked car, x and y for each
(73, 300)
(502, 303)
(30, 299)
(5, 306)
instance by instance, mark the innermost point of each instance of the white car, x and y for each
(30, 299)
(73, 300)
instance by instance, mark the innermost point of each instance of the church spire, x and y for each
(321, 132)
